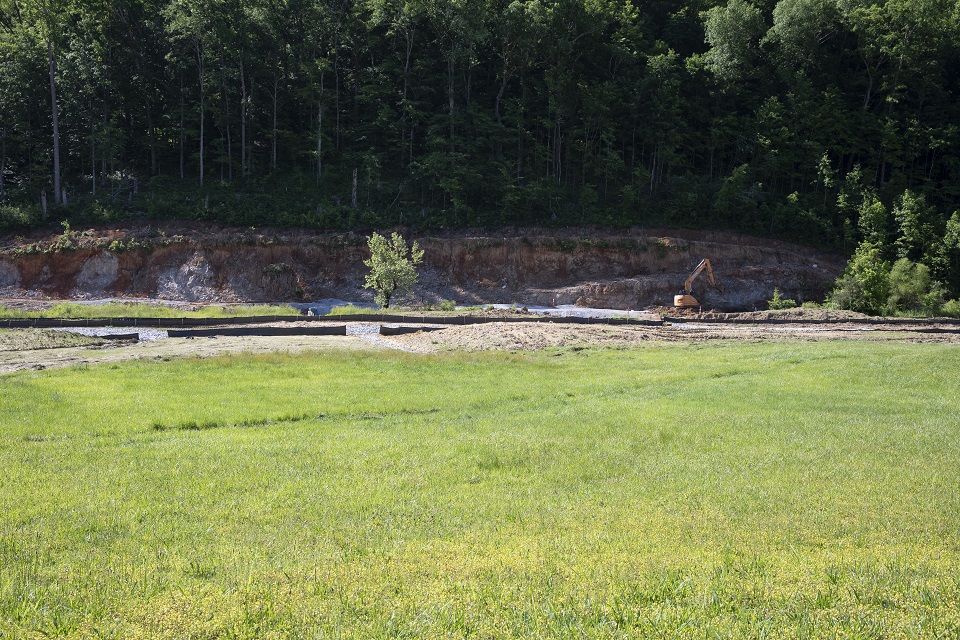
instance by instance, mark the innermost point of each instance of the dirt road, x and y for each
(37, 349)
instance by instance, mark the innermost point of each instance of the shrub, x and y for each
(951, 309)
(17, 217)
(865, 283)
(909, 286)
(778, 303)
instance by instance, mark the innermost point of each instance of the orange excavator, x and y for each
(684, 298)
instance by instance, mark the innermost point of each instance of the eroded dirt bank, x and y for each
(199, 263)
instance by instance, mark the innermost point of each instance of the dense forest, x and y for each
(833, 122)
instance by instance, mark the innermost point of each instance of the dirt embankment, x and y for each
(634, 269)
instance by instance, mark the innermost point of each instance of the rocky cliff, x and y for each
(635, 269)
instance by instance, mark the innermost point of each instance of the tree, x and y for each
(913, 216)
(946, 262)
(909, 284)
(734, 32)
(865, 284)
(875, 222)
(392, 267)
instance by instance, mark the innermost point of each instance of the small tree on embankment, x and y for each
(393, 267)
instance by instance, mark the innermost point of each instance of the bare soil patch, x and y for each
(534, 336)
(44, 358)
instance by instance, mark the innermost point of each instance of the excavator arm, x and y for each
(703, 266)
(684, 298)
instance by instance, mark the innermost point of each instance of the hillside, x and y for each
(206, 263)
(798, 119)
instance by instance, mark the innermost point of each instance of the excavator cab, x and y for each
(685, 298)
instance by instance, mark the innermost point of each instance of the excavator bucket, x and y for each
(685, 300)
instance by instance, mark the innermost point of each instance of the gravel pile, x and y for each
(362, 329)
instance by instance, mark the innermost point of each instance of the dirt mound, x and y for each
(524, 336)
(519, 336)
(794, 315)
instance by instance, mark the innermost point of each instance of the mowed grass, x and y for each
(724, 490)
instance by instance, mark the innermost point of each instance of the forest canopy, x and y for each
(814, 120)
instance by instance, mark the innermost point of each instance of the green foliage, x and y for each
(552, 495)
(733, 32)
(778, 118)
(909, 287)
(946, 260)
(393, 267)
(915, 220)
(951, 309)
(778, 303)
(875, 221)
(17, 217)
(865, 283)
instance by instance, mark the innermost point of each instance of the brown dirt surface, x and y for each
(535, 336)
(172, 348)
(492, 336)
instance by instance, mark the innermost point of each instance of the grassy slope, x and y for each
(793, 489)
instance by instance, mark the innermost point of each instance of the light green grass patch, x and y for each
(744, 490)
(352, 309)
(146, 310)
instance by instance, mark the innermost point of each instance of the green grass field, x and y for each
(726, 490)
(147, 310)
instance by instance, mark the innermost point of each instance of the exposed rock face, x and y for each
(9, 274)
(632, 270)
(193, 279)
(96, 275)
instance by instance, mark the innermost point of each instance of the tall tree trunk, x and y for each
(653, 168)
(243, 121)
(336, 93)
(226, 115)
(153, 142)
(320, 132)
(52, 59)
(496, 109)
(104, 148)
(276, 88)
(353, 193)
(408, 35)
(202, 112)
(93, 155)
(3, 161)
(450, 98)
(182, 159)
